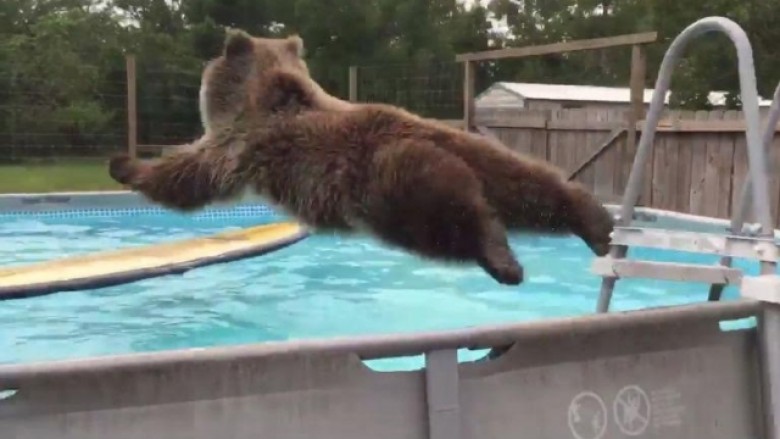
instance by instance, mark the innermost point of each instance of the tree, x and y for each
(54, 78)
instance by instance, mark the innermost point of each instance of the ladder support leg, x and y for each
(608, 283)
(716, 292)
(605, 296)
(769, 334)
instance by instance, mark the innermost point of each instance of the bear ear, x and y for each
(295, 45)
(237, 43)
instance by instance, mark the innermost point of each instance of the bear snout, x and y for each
(121, 169)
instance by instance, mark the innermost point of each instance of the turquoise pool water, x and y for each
(323, 286)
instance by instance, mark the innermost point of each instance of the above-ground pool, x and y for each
(324, 286)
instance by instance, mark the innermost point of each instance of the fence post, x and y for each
(132, 116)
(353, 83)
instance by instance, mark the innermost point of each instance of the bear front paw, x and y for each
(503, 267)
(599, 248)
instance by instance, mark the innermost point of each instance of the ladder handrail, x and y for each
(749, 95)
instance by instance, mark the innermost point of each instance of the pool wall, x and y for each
(659, 373)
(116, 203)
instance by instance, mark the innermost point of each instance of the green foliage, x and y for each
(52, 74)
(62, 62)
(707, 66)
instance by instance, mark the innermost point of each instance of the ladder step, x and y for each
(759, 248)
(622, 268)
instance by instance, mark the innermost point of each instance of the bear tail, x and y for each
(186, 180)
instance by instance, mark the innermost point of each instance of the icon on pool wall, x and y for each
(587, 416)
(632, 410)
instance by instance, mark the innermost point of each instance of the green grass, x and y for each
(56, 176)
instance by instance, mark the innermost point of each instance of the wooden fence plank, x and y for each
(540, 144)
(512, 119)
(682, 143)
(514, 139)
(702, 126)
(524, 140)
(739, 171)
(604, 175)
(721, 158)
(711, 194)
(626, 155)
(660, 193)
(575, 123)
(584, 144)
(517, 119)
(698, 166)
(555, 145)
(647, 184)
(565, 151)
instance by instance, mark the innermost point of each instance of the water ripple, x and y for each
(322, 287)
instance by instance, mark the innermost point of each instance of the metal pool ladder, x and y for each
(759, 246)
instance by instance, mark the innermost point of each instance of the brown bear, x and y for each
(414, 183)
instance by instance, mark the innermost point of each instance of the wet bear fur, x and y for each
(414, 183)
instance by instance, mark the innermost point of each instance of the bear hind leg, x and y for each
(430, 202)
(496, 257)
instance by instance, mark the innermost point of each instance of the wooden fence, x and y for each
(698, 165)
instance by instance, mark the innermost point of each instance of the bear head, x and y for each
(236, 82)
(231, 83)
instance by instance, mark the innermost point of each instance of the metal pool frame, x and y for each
(657, 373)
(684, 375)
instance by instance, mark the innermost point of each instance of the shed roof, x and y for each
(588, 93)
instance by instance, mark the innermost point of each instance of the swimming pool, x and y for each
(324, 286)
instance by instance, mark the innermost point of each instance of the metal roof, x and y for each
(589, 93)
